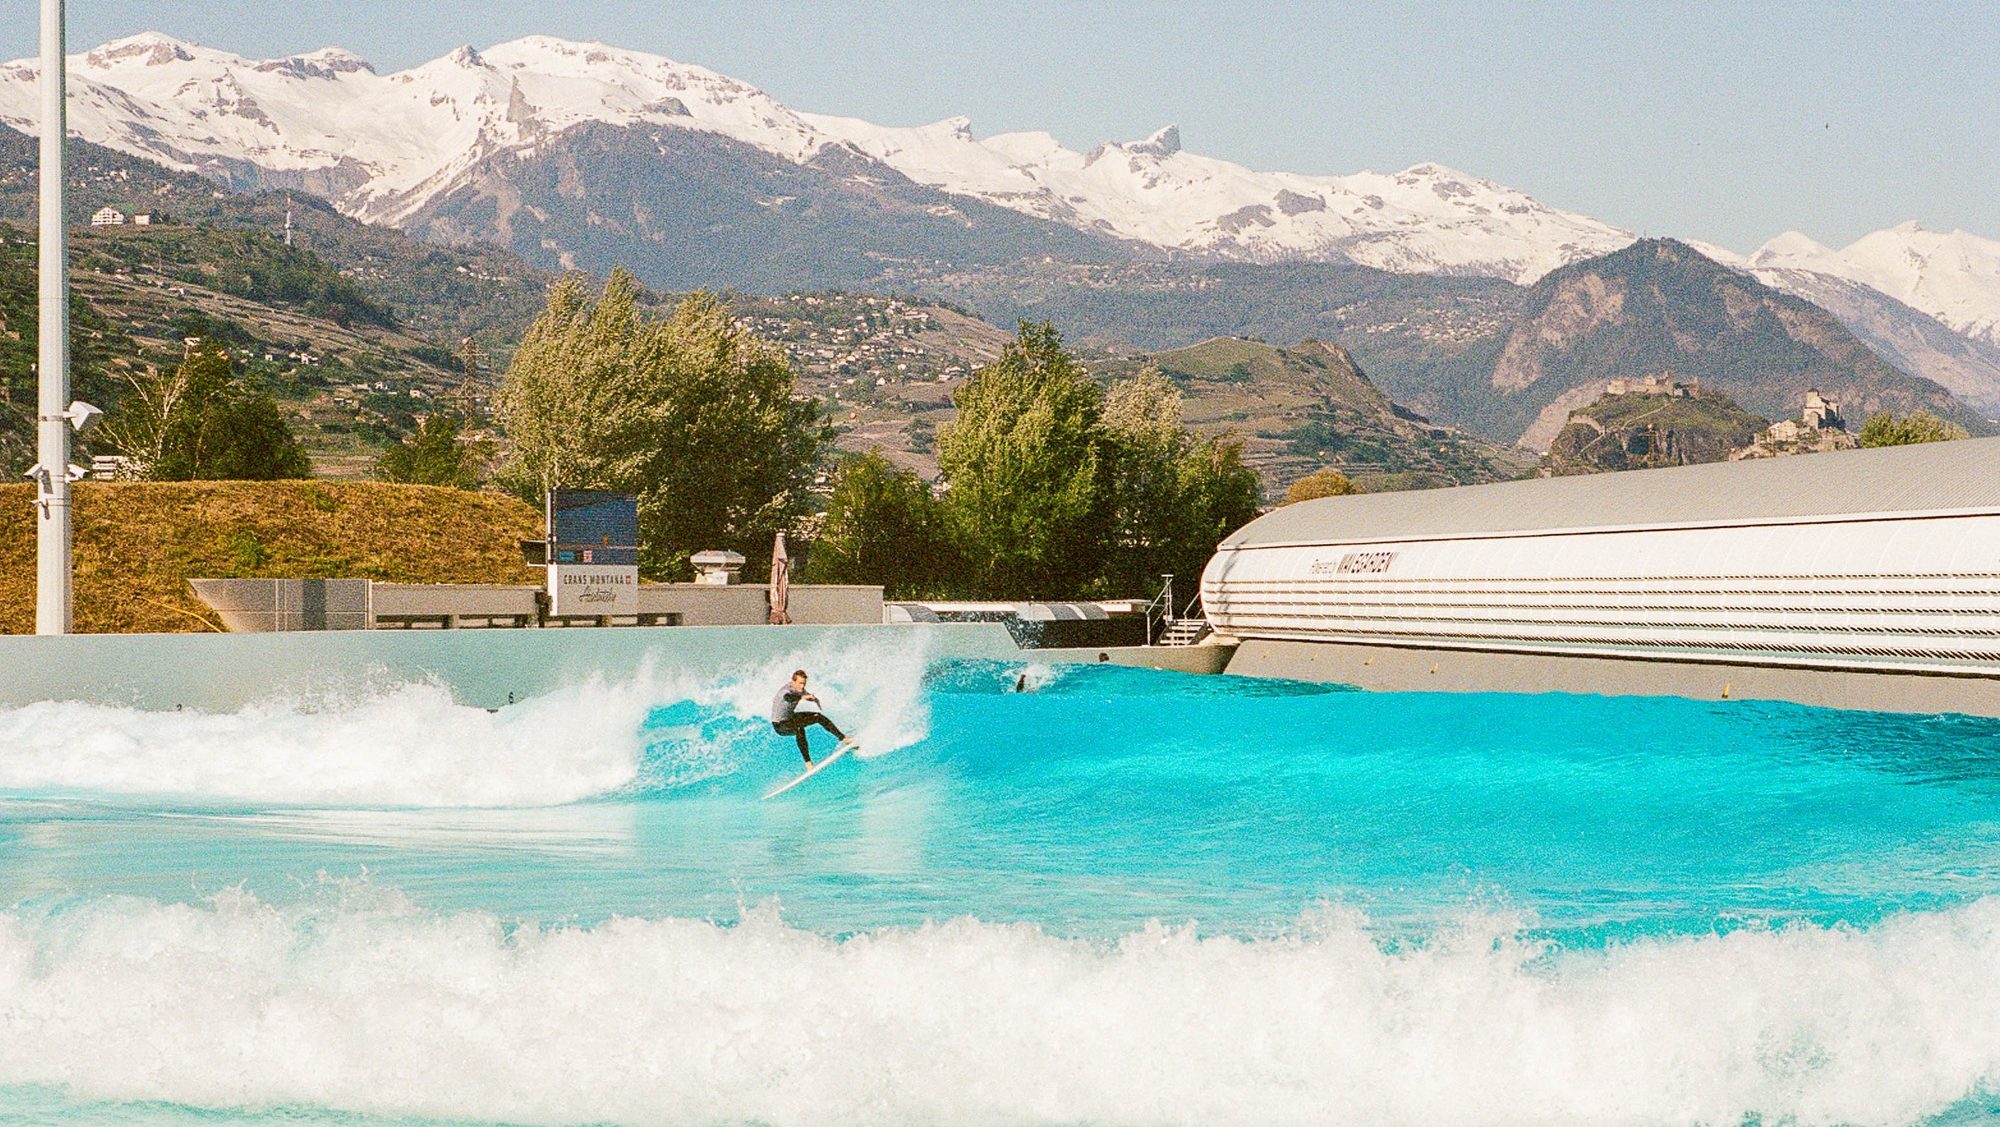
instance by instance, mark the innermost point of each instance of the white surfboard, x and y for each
(845, 747)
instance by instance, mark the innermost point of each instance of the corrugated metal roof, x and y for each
(1934, 477)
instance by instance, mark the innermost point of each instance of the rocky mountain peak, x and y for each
(148, 48)
(1164, 142)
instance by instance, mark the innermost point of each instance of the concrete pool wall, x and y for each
(486, 668)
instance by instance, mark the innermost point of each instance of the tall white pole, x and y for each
(52, 593)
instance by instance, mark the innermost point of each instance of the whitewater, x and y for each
(1046, 895)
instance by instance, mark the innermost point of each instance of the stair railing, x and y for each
(1160, 611)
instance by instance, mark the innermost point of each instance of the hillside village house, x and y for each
(112, 217)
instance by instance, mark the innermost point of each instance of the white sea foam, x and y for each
(412, 745)
(367, 1004)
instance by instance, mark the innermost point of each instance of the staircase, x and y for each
(1182, 632)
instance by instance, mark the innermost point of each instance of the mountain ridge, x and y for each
(1660, 307)
(317, 122)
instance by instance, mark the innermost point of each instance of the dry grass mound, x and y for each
(138, 543)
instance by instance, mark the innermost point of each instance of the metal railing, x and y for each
(1166, 627)
(1160, 610)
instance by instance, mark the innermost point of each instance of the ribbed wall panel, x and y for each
(1892, 591)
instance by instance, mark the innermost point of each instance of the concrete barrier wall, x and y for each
(262, 605)
(486, 668)
(702, 604)
(828, 604)
(1432, 669)
(479, 602)
(1204, 658)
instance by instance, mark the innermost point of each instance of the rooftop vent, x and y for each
(717, 569)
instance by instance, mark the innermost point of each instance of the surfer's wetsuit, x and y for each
(786, 720)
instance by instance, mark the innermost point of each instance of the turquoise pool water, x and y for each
(1083, 895)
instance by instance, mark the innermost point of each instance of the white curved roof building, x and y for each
(1875, 561)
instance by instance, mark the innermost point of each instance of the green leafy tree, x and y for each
(1327, 482)
(434, 454)
(564, 385)
(693, 414)
(1219, 494)
(1024, 461)
(201, 422)
(882, 525)
(1173, 496)
(1918, 426)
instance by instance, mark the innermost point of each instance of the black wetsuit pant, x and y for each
(796, 727)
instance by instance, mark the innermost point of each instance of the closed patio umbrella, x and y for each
(781, 581)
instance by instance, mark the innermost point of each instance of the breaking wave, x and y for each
(358, 1000)
(412, 745)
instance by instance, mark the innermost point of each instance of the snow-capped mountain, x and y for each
(383, 146)
(1954, 277)
(1425, 219)
(584, 154)
(1927, 303)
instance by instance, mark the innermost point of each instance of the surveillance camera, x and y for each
(35, 472)
(82, 415)
(76, 472)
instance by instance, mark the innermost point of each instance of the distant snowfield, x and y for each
(383, 146)
(1954, 277)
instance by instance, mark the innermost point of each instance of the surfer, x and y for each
(787, 720)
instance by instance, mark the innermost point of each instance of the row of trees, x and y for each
(1052, 485)
(1917, 427)
(1051, 488)
(204, 419)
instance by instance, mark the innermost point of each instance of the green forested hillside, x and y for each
(1478, 353)
(348, 374)
(446, 292)
(1631, 432)
(1311, 406)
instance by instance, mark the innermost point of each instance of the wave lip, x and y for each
(406, 746)
(412, 745)
(364, 1003)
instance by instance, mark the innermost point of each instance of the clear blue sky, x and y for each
(1727, 123)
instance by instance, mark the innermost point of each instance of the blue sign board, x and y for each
(591, 526)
